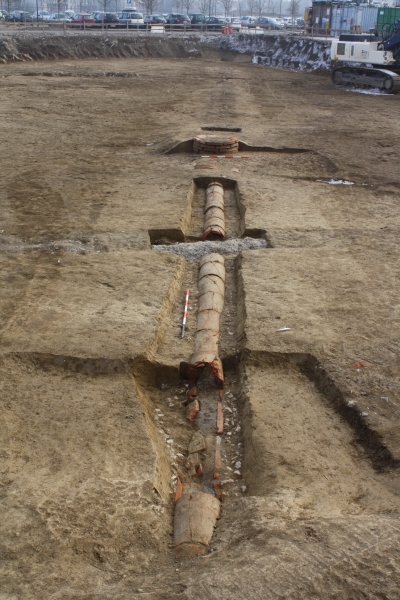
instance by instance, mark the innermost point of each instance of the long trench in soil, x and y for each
(222, 453)
(231, 444)
(259, 455)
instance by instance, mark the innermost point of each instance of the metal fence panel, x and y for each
(345, 17)
(369, 18)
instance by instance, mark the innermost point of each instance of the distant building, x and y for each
(336, 17)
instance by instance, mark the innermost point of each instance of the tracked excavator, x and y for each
(381, 58)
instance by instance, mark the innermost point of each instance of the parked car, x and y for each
(288, 21)
(178, 19)
(197, 19)
(20, 16)
(41, 15)
(70, 13)
(215, 22)
(300, 23)
(234, 22)
(105, 17)
(154, 19)
(60, 18)
(130, 16)
(268, 23)
(83, 19)
(248, 21)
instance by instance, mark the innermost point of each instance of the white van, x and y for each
(131, 16)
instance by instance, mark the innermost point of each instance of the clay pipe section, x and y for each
(211, 304)
(214, 220)
(216, 144)
(195, 517)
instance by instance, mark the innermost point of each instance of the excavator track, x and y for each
(367, 78)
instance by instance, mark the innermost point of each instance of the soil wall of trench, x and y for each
(270, 50)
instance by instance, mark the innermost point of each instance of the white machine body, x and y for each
(361, 52)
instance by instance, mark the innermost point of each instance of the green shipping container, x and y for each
(386, 18)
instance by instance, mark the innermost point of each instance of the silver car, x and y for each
(268, 23)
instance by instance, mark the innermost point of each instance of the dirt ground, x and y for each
(94, 429)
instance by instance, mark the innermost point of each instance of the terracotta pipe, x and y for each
(214, 217)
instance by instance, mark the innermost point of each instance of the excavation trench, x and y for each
(219, 463)
(196, 511)
(236, 236)
(241, 409)
(288, 435)
(215, 212)
(191, 147)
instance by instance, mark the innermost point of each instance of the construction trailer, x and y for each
(354, 19)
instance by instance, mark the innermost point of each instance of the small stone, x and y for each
(197, 443)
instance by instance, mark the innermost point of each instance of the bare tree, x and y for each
(241, 7)
(260, 6)
(59, 8)
(293, 9)
(188, 5)
(204, 6)
(272, 7)
(179, 6)
(149, 6)
(227, 4)
(251, 7)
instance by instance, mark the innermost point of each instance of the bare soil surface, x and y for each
(94, 426)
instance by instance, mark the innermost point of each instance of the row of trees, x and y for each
(207, 7)
(227, 7)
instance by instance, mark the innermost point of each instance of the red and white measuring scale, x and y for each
(185, 312)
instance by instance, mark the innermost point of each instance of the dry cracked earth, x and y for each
(93, 422)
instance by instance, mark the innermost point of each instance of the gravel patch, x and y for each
(193, 251)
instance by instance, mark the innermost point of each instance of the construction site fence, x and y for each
(66, 28)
